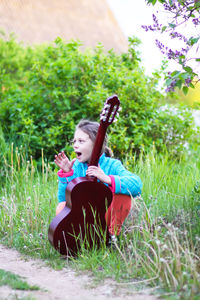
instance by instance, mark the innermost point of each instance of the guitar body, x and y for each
(82, 222)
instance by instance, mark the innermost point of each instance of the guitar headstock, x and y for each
(110, 109)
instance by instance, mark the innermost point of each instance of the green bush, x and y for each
(46, 89)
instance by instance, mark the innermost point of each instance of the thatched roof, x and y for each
(36, 21)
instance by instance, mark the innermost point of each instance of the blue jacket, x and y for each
(123, 181)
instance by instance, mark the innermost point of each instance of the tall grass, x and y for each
(159, 246)
(27, 203)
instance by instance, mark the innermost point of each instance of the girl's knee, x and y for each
(60, 207)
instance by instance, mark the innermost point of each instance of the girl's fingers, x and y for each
(63, 154)
(92, 168)
(57, 163)
(91, 172)
(62, 161)
(58, 157)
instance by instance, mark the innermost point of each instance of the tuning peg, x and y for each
(103, 113)
(106, 106)
(102, 118)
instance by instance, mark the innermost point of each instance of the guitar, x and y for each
(82, 221)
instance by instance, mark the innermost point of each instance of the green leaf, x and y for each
(185, 90)
(164, 28)
(184, 75)
(188, 69)
(191, 85)
(169, 81)
(175, 74)
(172, 25)
(153, 2)
(193, 41)
(179, 83)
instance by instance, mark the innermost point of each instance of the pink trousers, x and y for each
(117, 213)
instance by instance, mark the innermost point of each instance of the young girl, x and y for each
(109, 171)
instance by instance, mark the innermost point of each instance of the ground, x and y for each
(60, 285)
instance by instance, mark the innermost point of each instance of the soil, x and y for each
(61, 285)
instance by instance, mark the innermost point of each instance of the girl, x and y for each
(110, 171)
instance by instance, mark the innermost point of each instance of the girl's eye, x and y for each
(80, 141)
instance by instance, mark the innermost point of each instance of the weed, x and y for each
(15, 281)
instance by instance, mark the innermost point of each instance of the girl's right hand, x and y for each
(63, 162)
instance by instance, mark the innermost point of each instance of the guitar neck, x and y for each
(96, 153)
(107, 117)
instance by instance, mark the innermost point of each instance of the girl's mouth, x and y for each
(78, 154)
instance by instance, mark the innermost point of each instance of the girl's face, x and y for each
(83, 146)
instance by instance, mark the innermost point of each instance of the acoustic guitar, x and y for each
(82, 221)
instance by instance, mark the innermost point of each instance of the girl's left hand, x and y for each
(99, 173)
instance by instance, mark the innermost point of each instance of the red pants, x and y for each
(117, 213)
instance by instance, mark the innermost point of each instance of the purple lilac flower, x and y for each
(178, 35)
(171, 87)
(188, 81)
(196, 21)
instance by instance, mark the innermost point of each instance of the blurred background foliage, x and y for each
(192, 98)
(46, 89)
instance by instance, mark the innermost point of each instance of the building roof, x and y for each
(37, 21)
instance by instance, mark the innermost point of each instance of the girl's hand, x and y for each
(99, 173)
(63, 162)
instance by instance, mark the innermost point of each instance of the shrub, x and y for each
(46, 89)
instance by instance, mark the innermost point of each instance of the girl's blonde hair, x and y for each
(91, 128)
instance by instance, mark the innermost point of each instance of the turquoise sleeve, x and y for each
(125, 181)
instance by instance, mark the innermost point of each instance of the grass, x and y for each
(15, 282)
(159, 247)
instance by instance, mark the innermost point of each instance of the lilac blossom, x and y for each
(181, 13)
(196, 21)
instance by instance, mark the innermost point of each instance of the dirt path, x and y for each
(59, 285)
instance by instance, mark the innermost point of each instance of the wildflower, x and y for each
(158, 242)
(196, 21)
(197, 238)
(158, 228)
(164, 247)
